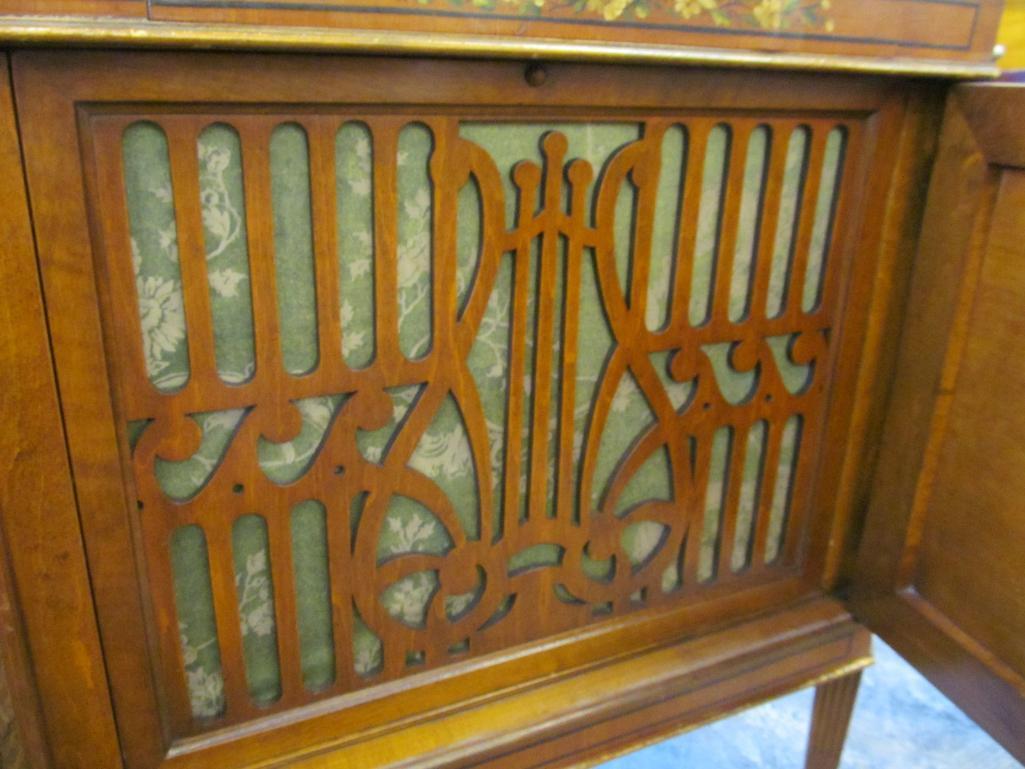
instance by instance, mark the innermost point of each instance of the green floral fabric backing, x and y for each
(443, 453)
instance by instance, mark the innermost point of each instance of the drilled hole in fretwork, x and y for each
(710, 211)
(791, 195)
(460, 648)
(665, 225)
(287, 462)
(197, 622)
(238, 488)
(736, 386)
(183, 480)
(339, 470)
(354, 218)
(153, 250)
(782, 492)
(415, 233)
(715, 499)
(313, 594)
(750, 495)
(749, 222)
(255, 595)
(295, 280)
(222, 196)
(415, 659)
(825, 216)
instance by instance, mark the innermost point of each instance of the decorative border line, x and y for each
(277, 5)
(135, 33)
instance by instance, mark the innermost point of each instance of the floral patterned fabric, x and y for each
(443, 453)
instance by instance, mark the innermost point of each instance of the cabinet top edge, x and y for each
(18, 31)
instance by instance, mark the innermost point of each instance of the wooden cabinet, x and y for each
(379, 411)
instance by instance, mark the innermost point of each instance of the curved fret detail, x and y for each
(520, 435)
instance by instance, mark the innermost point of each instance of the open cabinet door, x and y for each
(941, 572)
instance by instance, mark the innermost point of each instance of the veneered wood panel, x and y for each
(83, 8)
(974, 522)
(48, 585)
(91, 97)
(939, 568)
(940, 37)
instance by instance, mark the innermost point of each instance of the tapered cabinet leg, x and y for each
(831, 715)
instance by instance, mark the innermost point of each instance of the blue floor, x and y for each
(900, 722)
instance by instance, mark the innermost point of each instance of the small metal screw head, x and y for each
(999, 50)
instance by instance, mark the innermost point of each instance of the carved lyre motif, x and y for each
(558, 523)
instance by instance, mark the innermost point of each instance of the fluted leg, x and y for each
(831, 715)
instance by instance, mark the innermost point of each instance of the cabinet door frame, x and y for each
(60, 91)
(980, 136)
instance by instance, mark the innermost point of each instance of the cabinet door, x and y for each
(391, 384)
(940, 568)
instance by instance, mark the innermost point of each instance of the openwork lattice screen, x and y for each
(401, 390)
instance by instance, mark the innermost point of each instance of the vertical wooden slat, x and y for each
(321, 132)
(518, 347)
(733, 197)
(254, 140)
(541, 391)
(731, 500)
(238, 702)
(580, 178)
(286, 616)
(806, 222)
(770, 468)
(697, 148)
(385, 136)
(182, 138)
(771, 203)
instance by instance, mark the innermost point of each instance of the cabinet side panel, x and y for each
(39, 517)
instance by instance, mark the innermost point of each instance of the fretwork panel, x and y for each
(398, 391)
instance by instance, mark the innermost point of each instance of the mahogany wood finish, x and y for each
(83, 253)
(831, 715)
(939, 568)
